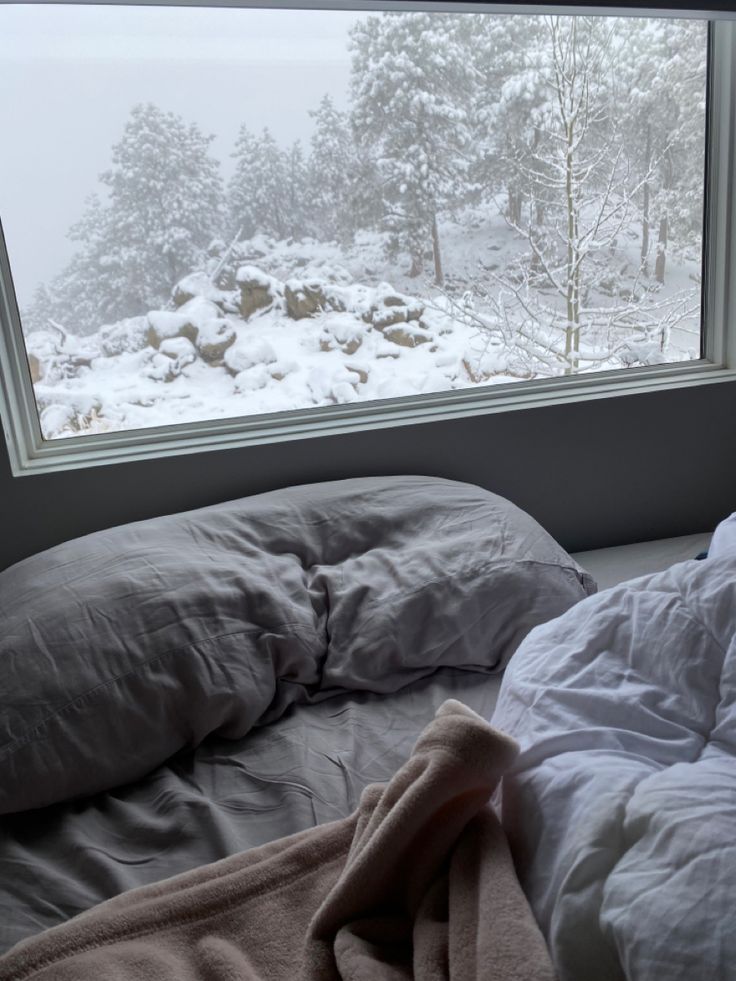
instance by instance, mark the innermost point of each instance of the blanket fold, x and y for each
(417, 884)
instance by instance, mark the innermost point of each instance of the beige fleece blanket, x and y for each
(417, 884)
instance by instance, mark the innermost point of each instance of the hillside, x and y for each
(270, 326)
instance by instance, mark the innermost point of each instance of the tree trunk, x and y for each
(572, 330)
(416, 266)
(516, 202)
(439, 279)
(645, 205)
(661, 261)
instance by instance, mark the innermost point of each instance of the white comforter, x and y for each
(622, 806)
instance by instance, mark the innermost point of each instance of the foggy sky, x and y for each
(69, 76)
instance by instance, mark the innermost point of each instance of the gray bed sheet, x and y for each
(307, 768)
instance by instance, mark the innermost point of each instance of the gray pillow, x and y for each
(121, 648)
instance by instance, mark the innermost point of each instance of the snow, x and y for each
(309, 279)
(253, 276)
(118, 379)
(274, 364)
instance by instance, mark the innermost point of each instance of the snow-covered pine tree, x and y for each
(268, 188)
(662, 79)
(241, 191)
(164, 204)
(332, 171)
(297, 191)
(512, 102)
(411, 89)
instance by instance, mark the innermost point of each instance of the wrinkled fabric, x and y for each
(305, 769)
(122, 648)
(621, 808)
(416, 885)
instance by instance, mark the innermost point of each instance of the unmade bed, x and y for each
(358, 608)
(328, 719)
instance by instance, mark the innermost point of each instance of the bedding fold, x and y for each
(121, 649)
(417, 883)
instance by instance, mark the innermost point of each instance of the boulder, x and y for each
(361, 372)
(36, 368)
(172, 357)
(213, 340)
(389, 308)
(197, 285)
(305, 298)
(382, 318)
(344, 331)
(246, 352)
(406, 336)
(163, 324)
(257, 290)
(179, 349)
(162, 369)
(127, 335)
(252, 379)
(280, 369)
(199, 320)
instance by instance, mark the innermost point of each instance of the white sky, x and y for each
(69, 76)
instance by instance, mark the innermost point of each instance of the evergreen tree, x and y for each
(297, 191)
(510, 55)
(163, 206)
(411, 86)
(332, 174)
(661, 78)
(268, 189)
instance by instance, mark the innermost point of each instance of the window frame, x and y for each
(29, 453)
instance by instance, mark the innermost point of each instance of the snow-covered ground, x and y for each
(289, 325)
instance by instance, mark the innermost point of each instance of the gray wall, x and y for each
(598, 473)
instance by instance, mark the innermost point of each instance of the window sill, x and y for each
(125, 447)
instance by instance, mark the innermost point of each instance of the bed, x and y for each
(180, 690)
(452, 593)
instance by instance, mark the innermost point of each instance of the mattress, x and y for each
(610, 566)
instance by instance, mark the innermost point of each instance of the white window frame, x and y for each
(30, 453)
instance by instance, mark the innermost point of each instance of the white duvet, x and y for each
(622, 807)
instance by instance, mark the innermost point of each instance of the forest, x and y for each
(500, 198)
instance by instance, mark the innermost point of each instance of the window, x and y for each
(233, 224)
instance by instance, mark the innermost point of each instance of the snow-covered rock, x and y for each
(198, 320)
(36, 368)
(248, 351)
(343, 331)
(406, 336)
(252, 379)
(198, 284)
(55, 419)
(130, 334)
(180, 350)
(163, 324)
(307, 297)
(258, 291)
(214, 338)
(389, 307)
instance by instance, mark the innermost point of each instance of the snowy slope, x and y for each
(298, 327)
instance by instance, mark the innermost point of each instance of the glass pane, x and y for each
(217, 213)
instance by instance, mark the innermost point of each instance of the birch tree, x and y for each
(576, 163)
